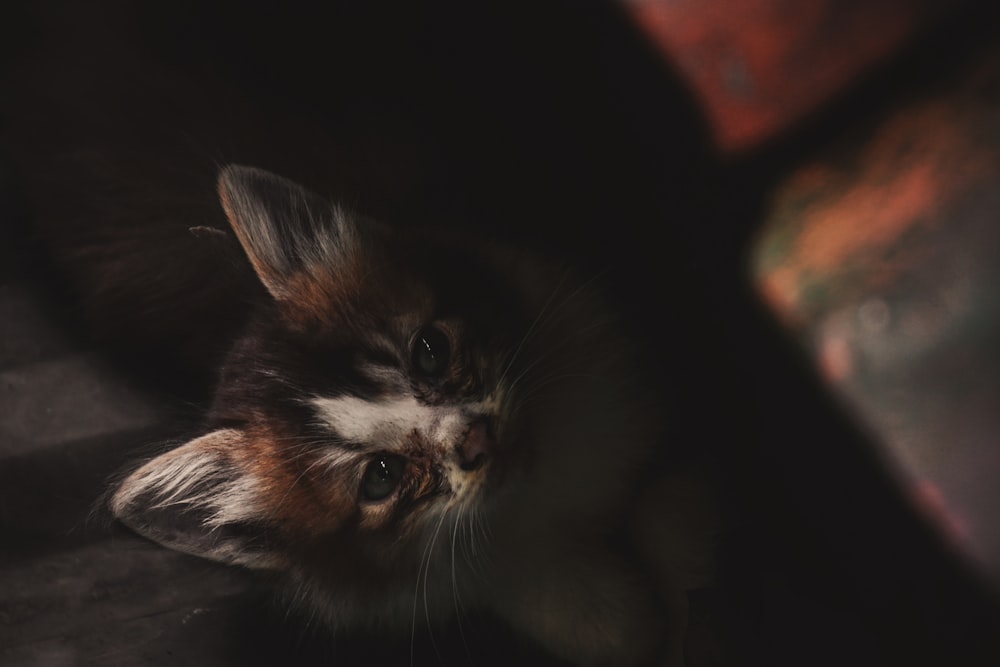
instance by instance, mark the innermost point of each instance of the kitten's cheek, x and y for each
(371, 520)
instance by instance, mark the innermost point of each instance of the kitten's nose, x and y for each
(476, 446)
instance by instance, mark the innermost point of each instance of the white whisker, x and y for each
(427, 571)
(416, 598)
(454, 583)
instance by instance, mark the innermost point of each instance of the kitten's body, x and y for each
(520, 461)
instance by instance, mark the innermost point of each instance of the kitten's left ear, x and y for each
(288, 232)
(199, 500)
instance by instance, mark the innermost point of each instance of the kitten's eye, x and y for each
(382, 476)
(430, 352)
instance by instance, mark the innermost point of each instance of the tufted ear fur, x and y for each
(197, 500)
(288, 232)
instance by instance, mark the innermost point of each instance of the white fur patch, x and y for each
(390, 420)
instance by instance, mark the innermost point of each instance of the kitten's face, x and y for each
(376, 393)
(380, 409)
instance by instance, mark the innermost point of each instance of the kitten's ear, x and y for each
(197, 500)
(287, 231)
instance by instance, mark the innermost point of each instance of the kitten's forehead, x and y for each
(386, 375)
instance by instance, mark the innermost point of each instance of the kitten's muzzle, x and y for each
(476, 446)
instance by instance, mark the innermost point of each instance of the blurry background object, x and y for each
(758, 66)
(883, 260)
(858, 147)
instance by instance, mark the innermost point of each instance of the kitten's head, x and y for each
(388, 380)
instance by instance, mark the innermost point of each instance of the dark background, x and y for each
(554, 125)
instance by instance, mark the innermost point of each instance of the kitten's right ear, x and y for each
(288, 232)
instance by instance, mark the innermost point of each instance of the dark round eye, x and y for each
(382, 476)
(431, 352)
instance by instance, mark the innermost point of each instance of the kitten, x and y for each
(396, 393)
(402, 418)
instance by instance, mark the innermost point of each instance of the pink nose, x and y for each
(476, 446)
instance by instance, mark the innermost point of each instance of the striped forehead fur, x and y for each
(388, 377)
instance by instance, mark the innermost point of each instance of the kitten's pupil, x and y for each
(430, 352)
(382, 476)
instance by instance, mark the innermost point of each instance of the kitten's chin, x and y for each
(492, 482)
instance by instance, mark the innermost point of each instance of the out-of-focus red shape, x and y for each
(757, 66)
